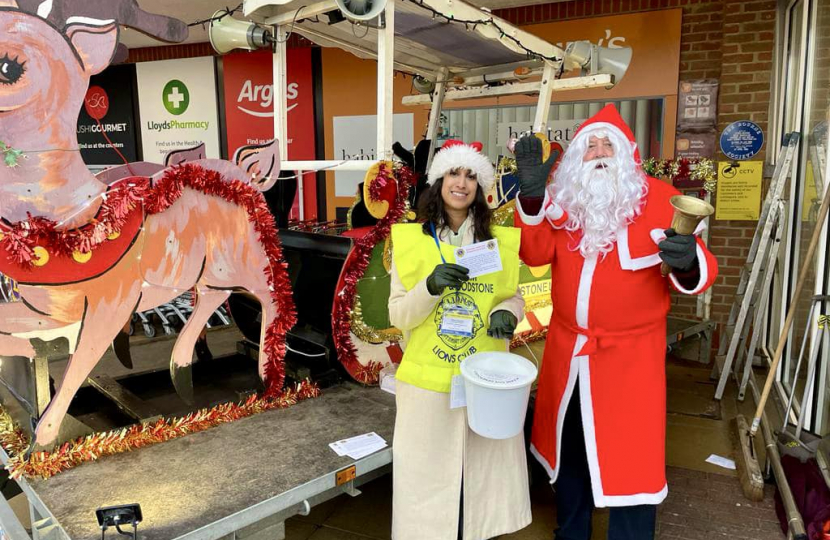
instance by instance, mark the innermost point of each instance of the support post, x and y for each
(280, 84)
(386, 75)
(540, 123)
(435, 111)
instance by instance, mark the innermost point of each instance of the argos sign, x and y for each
(250, 95)
(257, 100)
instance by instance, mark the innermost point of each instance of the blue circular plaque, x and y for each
(741, 140)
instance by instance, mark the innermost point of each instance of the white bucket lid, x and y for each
(498, 370)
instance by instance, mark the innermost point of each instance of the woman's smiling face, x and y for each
(459, 189)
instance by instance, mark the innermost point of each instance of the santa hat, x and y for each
(608, 118)
(457, 155)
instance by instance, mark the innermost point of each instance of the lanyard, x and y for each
(437, 244)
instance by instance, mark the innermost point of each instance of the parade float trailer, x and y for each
(245, 477)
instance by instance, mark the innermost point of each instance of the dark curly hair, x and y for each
(431, 209)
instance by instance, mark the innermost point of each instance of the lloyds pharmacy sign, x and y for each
(178, 106)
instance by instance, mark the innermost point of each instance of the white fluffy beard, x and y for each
(600, 196)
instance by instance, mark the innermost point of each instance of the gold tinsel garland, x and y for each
(528, 337)
(506, 165)
(97, 445)
(359, 328)
(367, 333)
(700, 170)
(504, 212)
(540, 303)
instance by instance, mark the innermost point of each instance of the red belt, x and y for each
(595, 335)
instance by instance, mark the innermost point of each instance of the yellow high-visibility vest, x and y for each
(431, 358)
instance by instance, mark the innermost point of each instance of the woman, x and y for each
(446, 317)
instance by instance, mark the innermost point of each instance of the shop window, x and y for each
(493, 126)
(804, 107)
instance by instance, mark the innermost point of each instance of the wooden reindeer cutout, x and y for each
(88, 251)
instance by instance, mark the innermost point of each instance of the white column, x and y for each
(641, 129)
(540, 123)
(386, 76)
(435, 112)
(280, 86)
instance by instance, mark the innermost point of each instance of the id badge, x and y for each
(457, 321)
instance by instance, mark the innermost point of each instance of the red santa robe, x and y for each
(608, 332)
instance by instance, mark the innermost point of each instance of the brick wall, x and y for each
(728, 40)
(748, 44)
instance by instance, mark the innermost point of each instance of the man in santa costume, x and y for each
(600, 419)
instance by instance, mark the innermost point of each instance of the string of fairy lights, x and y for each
(228, 12)
(471, 24)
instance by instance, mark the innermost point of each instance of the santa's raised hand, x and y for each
(533, 173)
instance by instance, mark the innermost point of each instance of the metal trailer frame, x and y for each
(282, 15)
(260, 521)
(271, 513)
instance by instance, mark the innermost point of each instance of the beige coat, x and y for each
(434, 449)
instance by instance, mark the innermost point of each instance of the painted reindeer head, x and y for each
(44, 73)
(49, 49)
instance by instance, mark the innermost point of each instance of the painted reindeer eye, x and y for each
(11, 70)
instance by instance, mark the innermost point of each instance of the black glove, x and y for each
(404, 155)
(446, 275)
(679, 250)
(421, 157)
(532, 172)
(502, 324)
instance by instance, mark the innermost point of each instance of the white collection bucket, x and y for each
(497, 387)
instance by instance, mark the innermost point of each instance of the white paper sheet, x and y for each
(359, 446)
(458, 396)
(721, 461)
(480, 258)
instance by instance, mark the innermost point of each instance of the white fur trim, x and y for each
(588, 429)
(599, 126)
(704, 274)
(566, 400)
(462, 155)
(554, 213)
(658, 235)
(637, 499)
(629, 263)
(542, 461)
(528, 219)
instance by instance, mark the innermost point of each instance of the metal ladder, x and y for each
(749, 354)
(749, 296)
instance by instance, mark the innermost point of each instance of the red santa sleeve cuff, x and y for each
(533, 210)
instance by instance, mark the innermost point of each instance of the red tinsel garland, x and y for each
(377, 187)
(21, 238)
(353, 272)
(368, 374)
(188, 175)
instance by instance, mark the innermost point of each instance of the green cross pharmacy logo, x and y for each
(175, 97)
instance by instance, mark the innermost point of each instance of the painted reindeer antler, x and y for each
(124, 12)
